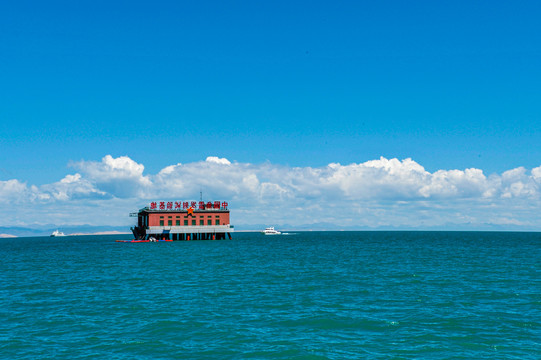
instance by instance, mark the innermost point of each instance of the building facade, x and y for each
(183, 221)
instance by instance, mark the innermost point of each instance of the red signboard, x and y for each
(184, 205)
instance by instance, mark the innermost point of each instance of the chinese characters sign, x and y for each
(185, 205)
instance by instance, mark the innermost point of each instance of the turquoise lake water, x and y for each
(311, 295)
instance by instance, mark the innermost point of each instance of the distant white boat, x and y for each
(57, 233)
(271, 231)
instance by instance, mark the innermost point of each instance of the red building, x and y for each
(183, 220)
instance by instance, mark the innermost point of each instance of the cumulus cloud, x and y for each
(378, 192)
(13, 190)
(217, 160)
(536, 174)
(518, 183)
(72, 187)
(121, 177)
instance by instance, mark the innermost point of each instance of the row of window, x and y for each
(186, 217)
(201, 222)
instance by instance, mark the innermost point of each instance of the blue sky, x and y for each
(451, 85)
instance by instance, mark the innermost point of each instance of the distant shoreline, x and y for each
(9, 236)
(113, 232)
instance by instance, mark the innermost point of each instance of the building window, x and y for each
(161, 222)
(170, 222)
(178, 222)
(217, 221)
(201, 222)
(209, 222)
(193, 222)
(185, 222)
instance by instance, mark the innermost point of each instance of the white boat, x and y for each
(57, 233)
(271, 231)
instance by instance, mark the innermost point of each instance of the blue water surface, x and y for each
(311, 295)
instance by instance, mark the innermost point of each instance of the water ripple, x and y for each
(343, 295)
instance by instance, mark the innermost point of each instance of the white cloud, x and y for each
(121, 177)
(536, 174)
(13, 190)
(457, 183)
(72, 187)
(378, 179)
(387, 192)
(217, 160)
(517, 183)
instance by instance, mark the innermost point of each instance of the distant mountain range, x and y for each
(323, 226)
(46, 230)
